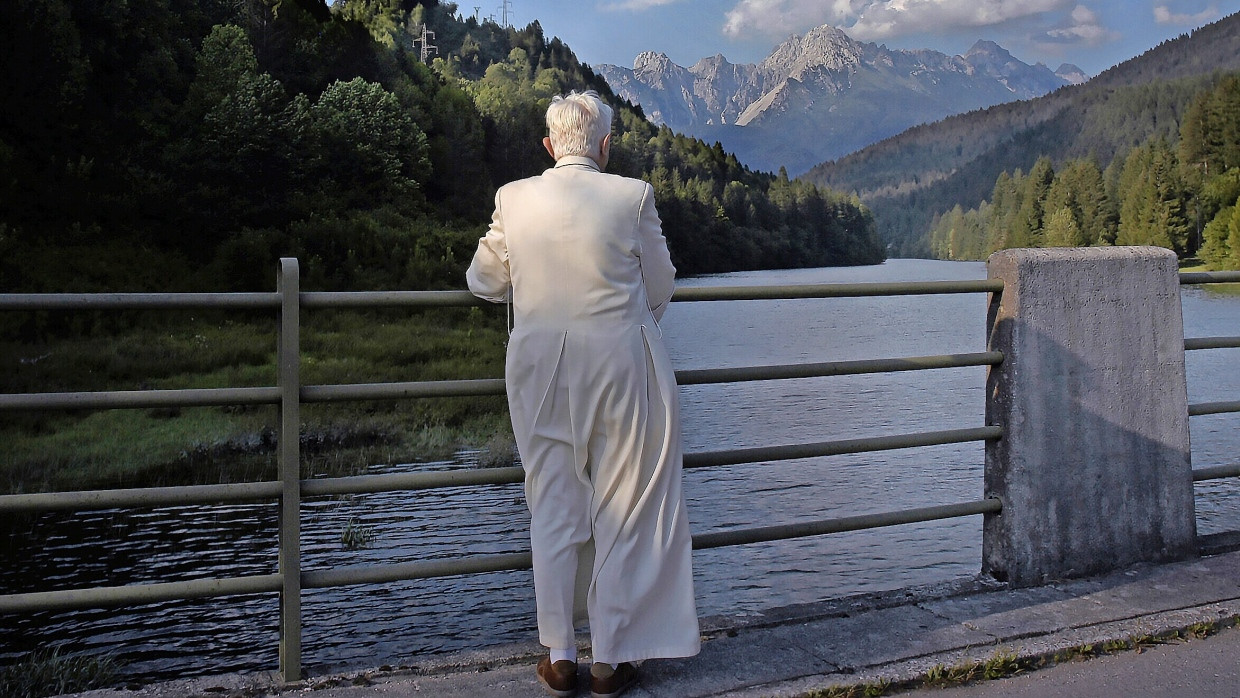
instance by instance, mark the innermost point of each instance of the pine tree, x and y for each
(1153, 209)
(1027, 227)
(1233, 238)
(1062, 230)
(1216, 248)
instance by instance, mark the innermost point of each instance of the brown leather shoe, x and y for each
(560, 678)
(606, 682)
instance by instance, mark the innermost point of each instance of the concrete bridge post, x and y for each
(1093, 468)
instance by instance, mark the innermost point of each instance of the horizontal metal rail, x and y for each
(346, 392)
(124, 399)
(1203, 408)
(135, 301)
(138, 497)
(391, 482)
(360, 299)
(323, 300)
(136, 594)
(836, 448)
(394, 482)
(1217, 472)
(373, 299)
(766, 534)
(836, 368)
(1195, 343)
(400, 482)
(495, 386)
(380, 574)
(208, 397)
(1209, 277)
(912, 288)
(440, 299)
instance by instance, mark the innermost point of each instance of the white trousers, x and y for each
(598, 429)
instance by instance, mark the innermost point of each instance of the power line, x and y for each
(424, 39)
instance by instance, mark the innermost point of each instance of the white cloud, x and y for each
(634, 5)
(1164, 15)
(879, 19)
(779, 18)
(1083, 26)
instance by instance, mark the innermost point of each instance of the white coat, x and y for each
(594, 407)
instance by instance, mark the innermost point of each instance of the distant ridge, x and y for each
(908, 178)
(822, 95)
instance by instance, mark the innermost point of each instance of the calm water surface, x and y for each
(393, 624)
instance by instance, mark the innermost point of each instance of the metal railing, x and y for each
(289, 394)
(1199, 343)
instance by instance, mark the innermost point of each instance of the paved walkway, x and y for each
(879, 638)
(1195, 667)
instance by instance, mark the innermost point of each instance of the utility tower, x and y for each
(505, 7)
(425, 40)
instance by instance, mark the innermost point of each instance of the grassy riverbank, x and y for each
(147, 447)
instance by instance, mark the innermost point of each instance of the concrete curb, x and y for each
(1043, 651)
(786, 652)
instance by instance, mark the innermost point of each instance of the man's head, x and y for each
(579, 123)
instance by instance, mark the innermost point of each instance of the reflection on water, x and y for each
(392, 624)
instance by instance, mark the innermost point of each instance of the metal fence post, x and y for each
(288, 359)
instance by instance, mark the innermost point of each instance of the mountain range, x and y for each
(909, 178)
(823, 95)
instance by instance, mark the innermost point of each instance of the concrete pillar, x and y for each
(1093, 467)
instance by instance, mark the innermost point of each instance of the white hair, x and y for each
(577, 122)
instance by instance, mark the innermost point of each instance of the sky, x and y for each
(1091, 34)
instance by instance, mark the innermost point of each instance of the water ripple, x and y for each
(368, 625)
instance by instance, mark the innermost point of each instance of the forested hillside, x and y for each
(919, 177)
(1180, 193)
(187, 144)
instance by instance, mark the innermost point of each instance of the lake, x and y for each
(372, 625)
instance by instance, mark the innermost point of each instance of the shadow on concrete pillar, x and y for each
(1093, 468)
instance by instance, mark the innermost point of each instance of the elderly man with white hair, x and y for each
(582, 258)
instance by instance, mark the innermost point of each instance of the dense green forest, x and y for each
(913, 181)
(187, 144)
(1179, 193)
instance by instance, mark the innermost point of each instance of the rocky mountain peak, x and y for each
(1072, 74)
(983, 46)
(821, 95)
(651, 62)
(991, 59)
(824, 46)
(659, 72)
(710, 64)
(1024, 80)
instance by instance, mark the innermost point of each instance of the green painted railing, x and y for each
(289, 394)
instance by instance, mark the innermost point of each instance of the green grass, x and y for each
(143, 447)
(1000, 665)
(48, 673)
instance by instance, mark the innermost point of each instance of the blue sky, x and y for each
(1093, 34)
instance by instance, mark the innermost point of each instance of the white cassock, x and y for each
(594, 407)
